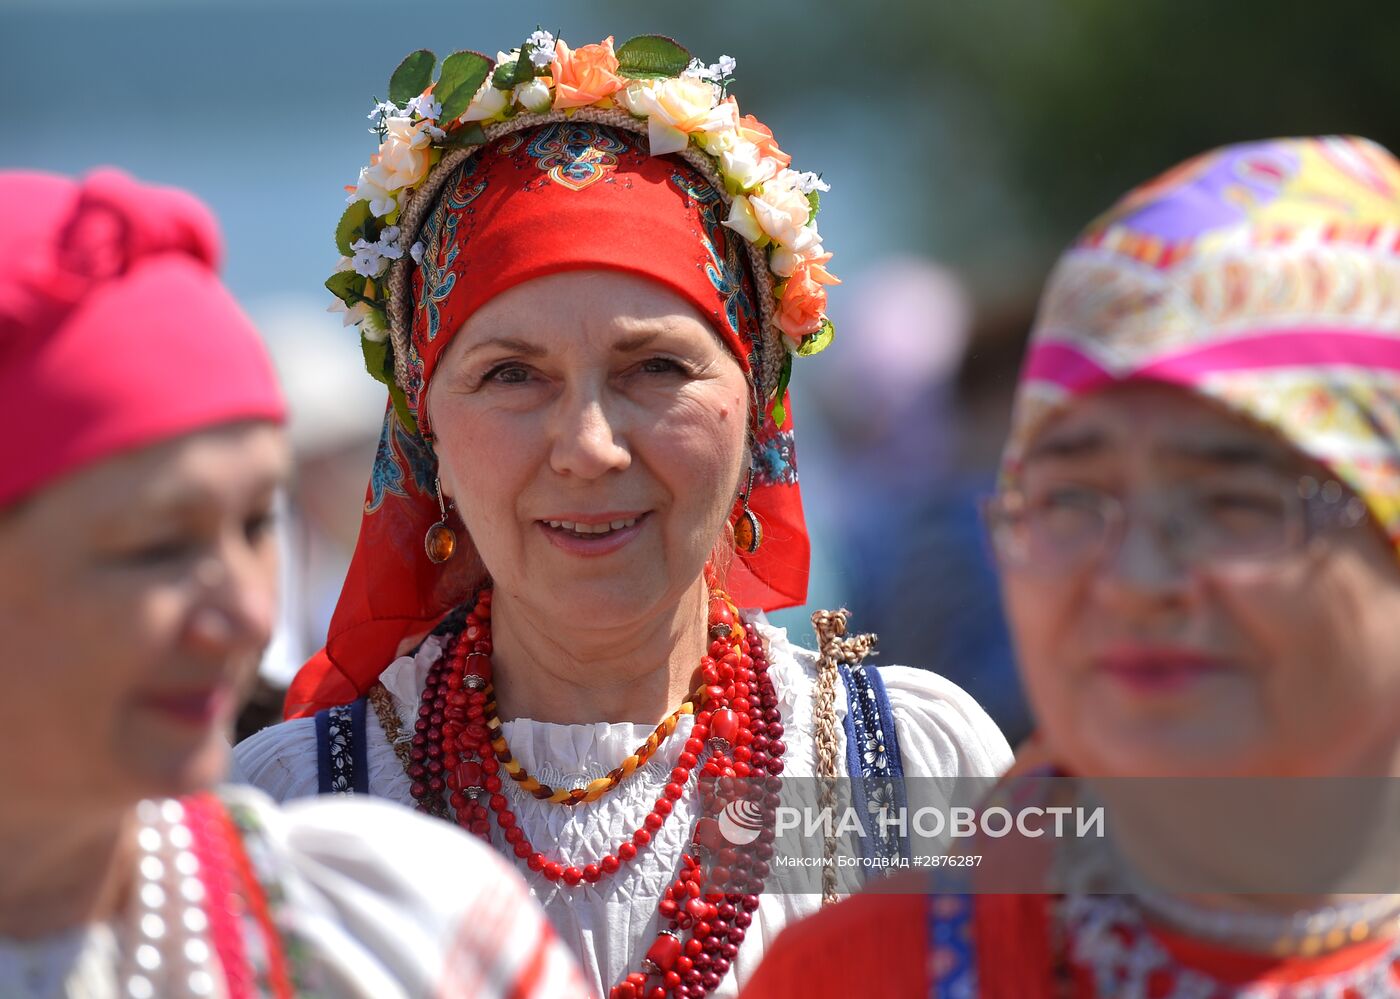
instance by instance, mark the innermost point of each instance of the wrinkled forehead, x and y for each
(1145, 429)
(196, 476)
(580, 315)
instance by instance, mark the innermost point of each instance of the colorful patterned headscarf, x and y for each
(564, 196)
(1264, 276)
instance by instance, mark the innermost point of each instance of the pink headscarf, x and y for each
(115, 332)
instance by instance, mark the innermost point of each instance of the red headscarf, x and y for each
(115, 332)
(561, 197)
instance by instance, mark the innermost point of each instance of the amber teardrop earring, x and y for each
(748, 532)
(440, 542)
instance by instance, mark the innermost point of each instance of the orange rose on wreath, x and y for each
(761, 135)
(804, 298)
(585, 75)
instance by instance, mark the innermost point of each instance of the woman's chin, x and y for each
(1170, 751)
(592, 597)
(164, 771)
(599, 606)
(1213, 728)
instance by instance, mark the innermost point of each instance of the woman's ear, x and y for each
(744, 469)
(444, 479)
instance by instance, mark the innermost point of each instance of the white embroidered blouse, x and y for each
(952, 753)
(366, 908)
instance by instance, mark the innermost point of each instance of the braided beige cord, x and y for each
(420, 202)
(824, 723)
(834, 648)
(383, 703)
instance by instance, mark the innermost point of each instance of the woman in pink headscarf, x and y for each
(1198, 527)
(137, 575)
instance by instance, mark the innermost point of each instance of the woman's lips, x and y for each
(1158, 670)
(593, 534)
(191, 707)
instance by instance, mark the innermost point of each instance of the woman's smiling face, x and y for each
(591, 430)
(136, 596)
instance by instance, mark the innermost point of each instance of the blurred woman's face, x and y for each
(136, 596)
(1144, 661)
(591, 430)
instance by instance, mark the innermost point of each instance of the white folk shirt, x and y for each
(369, 910)
(952, 753)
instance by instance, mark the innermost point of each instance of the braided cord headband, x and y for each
(649, 85)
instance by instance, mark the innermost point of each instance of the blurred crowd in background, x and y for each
(964, 142)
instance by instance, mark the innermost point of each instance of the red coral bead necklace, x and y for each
(706, 910)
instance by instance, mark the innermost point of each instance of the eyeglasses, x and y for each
(1066, 527)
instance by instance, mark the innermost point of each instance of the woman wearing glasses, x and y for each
(1198, 527)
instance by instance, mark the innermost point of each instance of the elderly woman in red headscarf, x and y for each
(585, 276)
(1198, 527)
(137, 587)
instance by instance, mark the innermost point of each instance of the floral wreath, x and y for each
(649, 85)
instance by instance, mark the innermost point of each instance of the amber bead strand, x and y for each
(708, 908)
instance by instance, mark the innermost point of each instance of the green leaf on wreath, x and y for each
(815, 343)
(412, 77)
(502, 78)
(356, 223)
(651, 57)
(814, 201)
(401, 407)
(379, 362)
(525, 68)
(467, 135)
(347, 286)
(779, 411)
(377, 359)
(462, 76)
(519, 70)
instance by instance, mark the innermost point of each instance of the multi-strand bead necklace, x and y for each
(458, 751)
(1108, 936)
(195, 896)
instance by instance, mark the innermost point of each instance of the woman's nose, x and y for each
(1146, 568)
(587, 441)
(237, 608)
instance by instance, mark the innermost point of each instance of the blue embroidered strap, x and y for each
(323, 740)
(359, 746)
(341, 763)
(952, 952)
(873, 761)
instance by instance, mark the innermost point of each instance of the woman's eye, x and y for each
(1064, 498)
(1244, 504)
(158, 552)
(259, 526)
(661, 366)
(507, 374)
